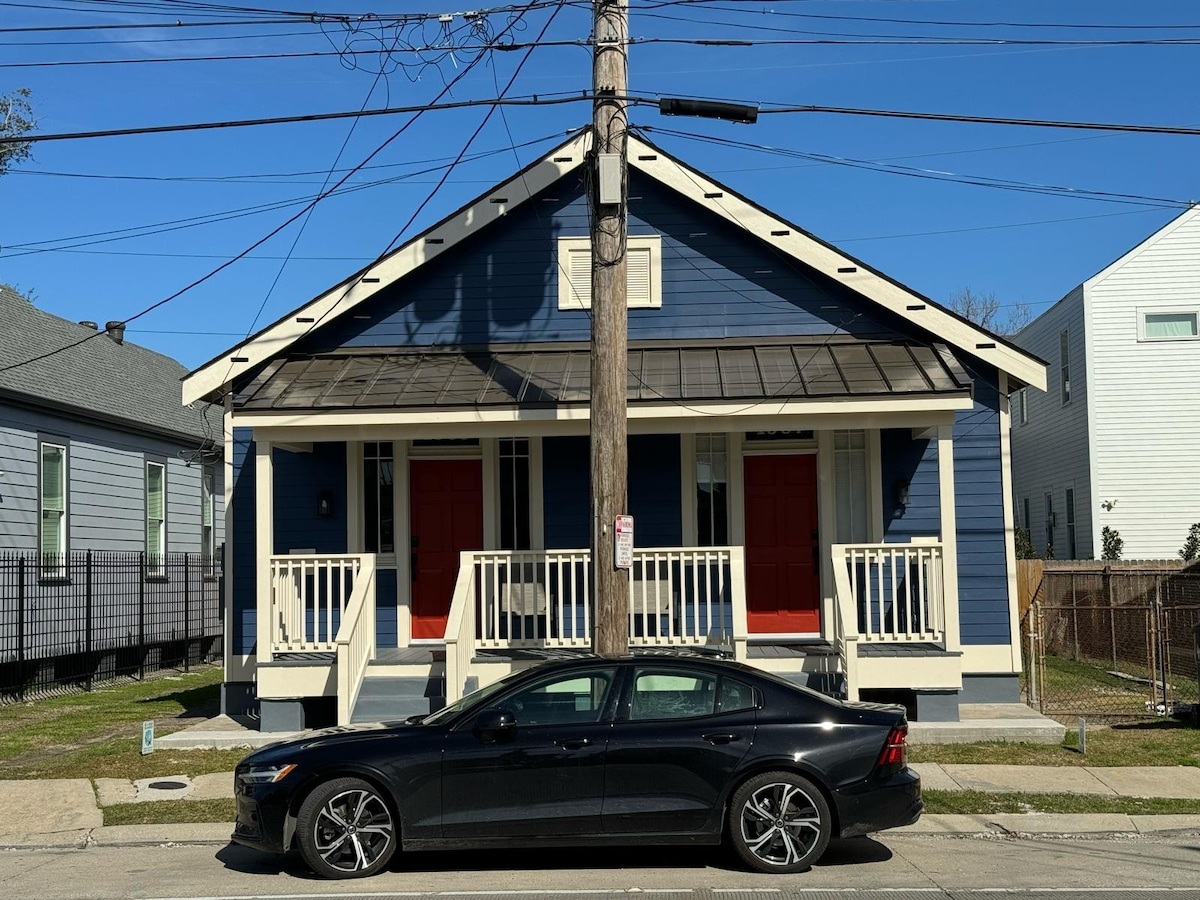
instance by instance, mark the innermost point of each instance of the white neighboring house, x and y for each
(1115, 439)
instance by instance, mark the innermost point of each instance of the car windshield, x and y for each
(472, 701)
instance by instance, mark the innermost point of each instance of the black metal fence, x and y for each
(1113, 642)
(71, 620)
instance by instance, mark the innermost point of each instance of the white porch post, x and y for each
(949, 535)
(264, 489)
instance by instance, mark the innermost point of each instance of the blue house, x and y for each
(818, 461)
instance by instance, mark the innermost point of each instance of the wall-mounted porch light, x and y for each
(325, 503)
(901, 492)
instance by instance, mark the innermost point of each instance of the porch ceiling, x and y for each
(549, 375)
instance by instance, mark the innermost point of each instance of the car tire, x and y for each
(779, 822)
(346, 829)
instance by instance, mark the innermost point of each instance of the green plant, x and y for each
(1191, 546)
(1049, 551)
(1024, 543)
(1111, 542)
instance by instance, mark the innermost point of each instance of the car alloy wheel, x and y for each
(345, 829)
(779, 822)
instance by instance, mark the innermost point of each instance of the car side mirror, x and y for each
(495, 725)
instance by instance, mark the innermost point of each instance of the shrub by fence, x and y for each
(91, 615)
(1112, 641)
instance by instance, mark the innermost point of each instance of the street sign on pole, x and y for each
(623, 535)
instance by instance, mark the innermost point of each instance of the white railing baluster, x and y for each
(874, 597)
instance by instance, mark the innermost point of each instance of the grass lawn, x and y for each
(1158, 743)
(170, 812)
(982, 803)
(98, 734)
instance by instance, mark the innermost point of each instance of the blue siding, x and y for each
(916, 462)
(300, 478)
(654, 486)
(245, 625)
(565, 492)
(979, 510)
(502, 285)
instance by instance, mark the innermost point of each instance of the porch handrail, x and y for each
(460, 629)
(888, 593)
(356, 638)
(309, 596)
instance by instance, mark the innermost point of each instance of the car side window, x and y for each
(734, 695)
(673, 694)
(574, 699)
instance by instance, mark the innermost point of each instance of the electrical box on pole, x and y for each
(609, 177)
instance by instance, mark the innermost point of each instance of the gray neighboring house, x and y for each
(96, 450)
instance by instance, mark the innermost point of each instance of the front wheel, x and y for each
(779, 822)
(345, 829)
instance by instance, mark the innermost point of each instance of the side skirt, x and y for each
(570, 840)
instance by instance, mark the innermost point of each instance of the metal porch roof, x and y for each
(558, 374)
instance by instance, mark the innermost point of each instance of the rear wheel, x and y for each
(779, 822)
(346, 829)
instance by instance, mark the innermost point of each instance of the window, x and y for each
(850, 476)
(1028, 521)
(643, 272)
(52, 500)
(1064, 365)
(208, 514)
(1071, 554)
(1049, 525)
(379, 498)
(1023, 406)
(156, 518)
(1169, 326)
(712, 491)
(514, 494)
(575, 699)
(672, 695)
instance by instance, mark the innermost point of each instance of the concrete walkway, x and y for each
(69, 812)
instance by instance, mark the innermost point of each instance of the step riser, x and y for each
(388, 698)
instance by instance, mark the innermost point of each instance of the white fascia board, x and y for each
(1145, 244)
(341, 299)
(830, 262)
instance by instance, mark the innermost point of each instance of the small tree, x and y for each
(1024, 543)
(1191, 547)
(1110, 538)
(16, 119)
(985, 309)
(1049, 551)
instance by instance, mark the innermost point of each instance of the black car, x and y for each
(667, 750)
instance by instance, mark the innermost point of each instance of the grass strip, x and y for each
(171, 812)
(986, 803)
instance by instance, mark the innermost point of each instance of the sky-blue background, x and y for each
(933, 236)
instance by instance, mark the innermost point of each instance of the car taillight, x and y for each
(895, 749)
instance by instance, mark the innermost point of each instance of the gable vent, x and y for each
(783, 233)
(643, 273)
(847, 270)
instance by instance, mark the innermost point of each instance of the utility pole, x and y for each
(609, 219)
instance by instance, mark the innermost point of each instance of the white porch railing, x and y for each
(891, 592)
(689, 596)
(309, 597)
(356, 638)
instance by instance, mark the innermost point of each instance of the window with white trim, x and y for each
(1169, 326)
(52, 502)
(1064, 365)
(208, 514)
(643, 272)
(156, 518)
(712, 490)
(379, 498)
(1071, 548)
(850, 478)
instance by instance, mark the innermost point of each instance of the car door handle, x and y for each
(572, 743)
(722, 738)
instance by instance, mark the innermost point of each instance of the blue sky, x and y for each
(937, 237)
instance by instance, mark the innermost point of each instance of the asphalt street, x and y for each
(895, 867)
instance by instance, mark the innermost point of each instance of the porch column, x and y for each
(949, 526)
(264, 491)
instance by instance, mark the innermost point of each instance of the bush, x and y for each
(1024, 543)
(1112, 543)
(1191, 547)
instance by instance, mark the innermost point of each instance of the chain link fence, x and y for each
(69, 620)
(1112, 642)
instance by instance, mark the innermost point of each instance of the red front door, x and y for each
(447, 518)
(783, 588)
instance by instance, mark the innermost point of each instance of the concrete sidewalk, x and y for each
(69, 812)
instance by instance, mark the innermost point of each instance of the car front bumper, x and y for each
(880, 805)
(261, 818)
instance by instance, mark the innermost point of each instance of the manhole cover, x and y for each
(168, 785)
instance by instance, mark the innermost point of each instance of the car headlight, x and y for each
(266, 774)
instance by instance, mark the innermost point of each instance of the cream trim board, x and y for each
(949, 535)
(491, 492)
(227, 552)
(240, 666)
(826, 525)
(875, 486)
(990, 659)
(264, 485)
(354, 497)
(402, 512)
(537, 497)
(834, 264)
(1010, 543)
(736, 462)
(575, 289)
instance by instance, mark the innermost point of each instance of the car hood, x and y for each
(287, 749)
